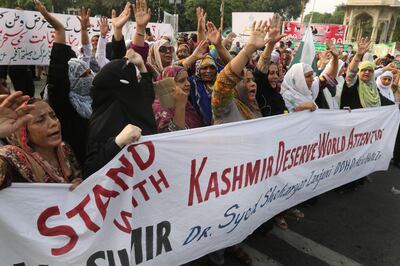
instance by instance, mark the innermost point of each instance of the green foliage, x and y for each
(286, 8)
(187, 10)
(23, 4)
(336, 17)
(396, 35)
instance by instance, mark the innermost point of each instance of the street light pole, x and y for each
(174, 7)
(302, 10)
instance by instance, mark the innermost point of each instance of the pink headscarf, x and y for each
(171, 72)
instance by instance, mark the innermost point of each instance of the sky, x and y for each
(323, 6)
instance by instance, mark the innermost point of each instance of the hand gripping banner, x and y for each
(174, 197)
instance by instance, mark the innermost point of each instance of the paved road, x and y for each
(353, 228)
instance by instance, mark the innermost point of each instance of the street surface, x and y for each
(352, 228)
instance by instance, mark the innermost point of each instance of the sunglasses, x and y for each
(166, 49)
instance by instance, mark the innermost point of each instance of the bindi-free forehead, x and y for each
(181, 76)
(41, 108)
(273, 67)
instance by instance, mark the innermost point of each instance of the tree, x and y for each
(336, 17)
(287, 8)
(187, 16)
(23, 4)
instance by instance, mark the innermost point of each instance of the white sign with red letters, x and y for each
(174, 197)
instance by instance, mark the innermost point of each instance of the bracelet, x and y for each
(140, 33)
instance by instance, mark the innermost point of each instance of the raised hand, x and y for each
(49, 18)
(142, 14)
(201, 24)
(201, 19)
(84, 18)
(12, 114)
(201, 49)
(331, 48)
(180, 96)
(119, 22)
(363, 46)
(103, 23)
(213, 34)
(274, 30)
(134, 58)
(231, 36)
(259, 31)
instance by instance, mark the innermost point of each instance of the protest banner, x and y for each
(26, 37)
(321, 32)
(382, 49)
(174, 197)
(242, 23)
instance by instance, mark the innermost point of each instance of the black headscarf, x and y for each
(117, 103)
(118, 100)
(269, 100)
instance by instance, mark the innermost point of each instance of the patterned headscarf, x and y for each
(204, 62)
(31, 165)
(171, 72)
(79, 94)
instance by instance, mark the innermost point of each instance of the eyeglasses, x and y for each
(166, 49)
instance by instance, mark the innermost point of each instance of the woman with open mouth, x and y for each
(37, 154)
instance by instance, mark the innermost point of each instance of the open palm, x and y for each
(213, 34)
(258, 34)
(142, 13)
(12, 114)
(119, 22)
(363, 46)
(201, 18)
(274, 31)
(84, 18)
(103, 26)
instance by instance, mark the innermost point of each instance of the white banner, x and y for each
(242, 23)
(177, 196)
(26, 37)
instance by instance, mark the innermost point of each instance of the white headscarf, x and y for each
(368, 57)
(334, 101)
(294, 88)
(386, 91)
(275, 57)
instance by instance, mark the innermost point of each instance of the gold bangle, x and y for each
(140, 33)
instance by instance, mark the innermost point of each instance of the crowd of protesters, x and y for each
(110, 94)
